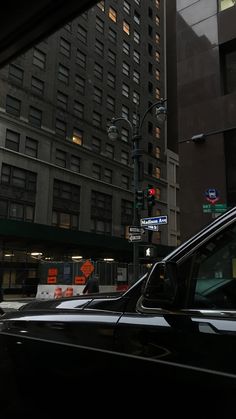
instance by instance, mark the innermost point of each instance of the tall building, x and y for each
(206, 45)
(66, 188)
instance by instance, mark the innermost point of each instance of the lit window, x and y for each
(157, 152)
(157, 72)
(157, 132)
(112, 14)
(126, 27)
(157, 37)
(77, 137)
(157, 172)
(157, 20)
(157, 93)
(157, 56)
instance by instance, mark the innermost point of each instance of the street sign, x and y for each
(135, 238)
(152, 227)
(136, 229)
(153, 221)
(208, 208)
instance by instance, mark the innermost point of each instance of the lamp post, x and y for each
(135, 130)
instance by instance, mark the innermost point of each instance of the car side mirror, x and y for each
(161, 286)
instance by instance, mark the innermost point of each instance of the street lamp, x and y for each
(135, 130)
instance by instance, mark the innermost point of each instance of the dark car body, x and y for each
(172, 332)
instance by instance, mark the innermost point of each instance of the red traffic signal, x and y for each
(151, 192)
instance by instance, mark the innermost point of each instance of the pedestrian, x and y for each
(92, 285)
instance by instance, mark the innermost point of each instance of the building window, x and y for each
(137, 18)
(62, 100)
(99, 47)
(112, 36)
(125, 112)
(97, 119)
(157, 56)
(65, 47)
(158, 194)
(157, 37)
(12, 140)
(79, 109)
(65, 220)
(157, 19)
(111, 56)
(99, 25)
(23, 212)
(79, 84)
(157, 152)
(97, 95)
(31, 147)
(125, 90)
(157, 172)
(110, 151)
(35, 116)
(97, 171)
(75, 163)
(157, 74)
(101, 5)
(136, 77)
(60, 127)
(126, 7)
(157, 132)
(16, 74)
(39, 59)
(101, 213)
(111, 80)
(96, 145)
(82, 34)
(112, 14)
(20, 178)
(225, 4)
(13, 105)
(136, 37)
(107, 175)
(157, 93)
(37, 86)
(136, 56)
(126, 27)
(158, 4)
(111, 104)
(125, 182)
(81, 59)
(136, 98)
(98, 71)
(125, 68)
(124, 157)
(60, 159)
(77, 137)
(63, 74)
(66, 191)
(126, 48)
(124, 135)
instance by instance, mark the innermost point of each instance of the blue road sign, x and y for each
(153, 220)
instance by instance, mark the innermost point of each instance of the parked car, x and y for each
(171, 333)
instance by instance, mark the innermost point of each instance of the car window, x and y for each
(214, 272)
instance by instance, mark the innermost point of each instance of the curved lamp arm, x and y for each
(160, 103)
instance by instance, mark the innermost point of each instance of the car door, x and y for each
(198, 330)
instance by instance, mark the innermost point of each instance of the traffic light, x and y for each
(151, 197)
(140, 199)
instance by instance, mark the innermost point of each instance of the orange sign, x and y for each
(52, 280)
(80, 280)
(52, 272)
(87, 268)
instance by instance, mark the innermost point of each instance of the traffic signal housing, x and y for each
(151, 197)
(140, 199)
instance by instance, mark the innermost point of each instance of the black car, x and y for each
(171, 333)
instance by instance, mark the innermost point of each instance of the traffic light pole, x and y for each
(136, 154)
